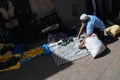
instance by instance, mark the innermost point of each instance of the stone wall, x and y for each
(41, 7)
(69, 10)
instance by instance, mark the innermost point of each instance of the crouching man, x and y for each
(90, 24)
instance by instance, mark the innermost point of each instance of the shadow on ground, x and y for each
(37, 69)
(106, 52)
(109, 40)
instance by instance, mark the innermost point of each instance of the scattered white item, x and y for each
(75, 38)
(52, 44)
(82, 35)
(94, 45)
(50, 28)
(59, 41)
(68, 53)
(77, 45)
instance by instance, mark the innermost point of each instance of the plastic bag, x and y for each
(112, 30)
(33, 53)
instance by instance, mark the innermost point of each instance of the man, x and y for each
(89, 24)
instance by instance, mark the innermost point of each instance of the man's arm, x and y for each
(83, 41)
(80, 32)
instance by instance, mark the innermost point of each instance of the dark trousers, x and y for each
(105, 39)
(99, 33)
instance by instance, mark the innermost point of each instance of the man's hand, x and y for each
(81, 45)
(83, 41)
(80, 32)
(78, 36)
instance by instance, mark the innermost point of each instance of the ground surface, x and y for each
(105, 67)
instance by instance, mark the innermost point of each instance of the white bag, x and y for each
(94, 45)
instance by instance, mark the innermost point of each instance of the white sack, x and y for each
(94, 45)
